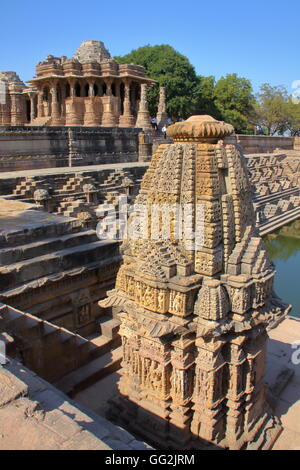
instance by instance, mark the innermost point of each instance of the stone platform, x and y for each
(70, 170)
(36, 416)
(18, 219)
(30, 147)
(283, 376)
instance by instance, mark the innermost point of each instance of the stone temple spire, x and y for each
(195, 299)
(91, 51)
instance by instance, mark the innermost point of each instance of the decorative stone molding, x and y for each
(199, 128)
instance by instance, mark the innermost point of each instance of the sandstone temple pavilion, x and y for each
(89, 89)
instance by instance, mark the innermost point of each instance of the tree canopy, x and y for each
(235, 101)
(230, 98)
(271, 109)
(204, 97)
(170, 69)
(276, 112)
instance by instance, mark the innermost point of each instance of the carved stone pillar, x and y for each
(118, 96)
(145, 147)
(63, 103)
(109, 102)
(126, 119)
(40, 106)
(32, 106)
(162, 115)
(55, 111)
(108, 84)
(5, 106)
(17, 109)
(74, 111)
(92, 106)
(91, 88)
(143, 117)
(109, 117)
(72, 88)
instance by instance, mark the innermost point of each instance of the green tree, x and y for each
(235, 101)
(272, 109)
(170, 69)
(205, 97)
(293, 123)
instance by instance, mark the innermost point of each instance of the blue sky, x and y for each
(258, 40)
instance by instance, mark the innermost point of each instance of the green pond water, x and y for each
(283, 247)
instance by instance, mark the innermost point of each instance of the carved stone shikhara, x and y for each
(194, 315)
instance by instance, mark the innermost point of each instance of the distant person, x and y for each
(164, 131)
(154, 123)
(169, 121)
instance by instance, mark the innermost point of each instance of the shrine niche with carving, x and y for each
(82, 307)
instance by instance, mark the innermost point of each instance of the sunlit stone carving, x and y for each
(195, 305)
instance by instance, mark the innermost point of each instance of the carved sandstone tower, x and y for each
(194, 311)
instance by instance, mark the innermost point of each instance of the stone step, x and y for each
(50, 334)
(109, 326)
(17, 321)
(275, 196)
(41, 266)
(9, 293)
(75, 203)
(32, 250)
(101, 344)
(17, 325)
(90, 373)
(72, 212)
(278, 221)
(35, 226)
(267, 436)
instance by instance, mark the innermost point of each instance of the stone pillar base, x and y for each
(108, 120)
(160, 433)
(17, 119)
(92, 111)
(145, 148)
(5, 119)
(90, 121)
(74, 111)
(56, 121)
(109, 116)
(162, 119)
(143, 121)
(126, 121)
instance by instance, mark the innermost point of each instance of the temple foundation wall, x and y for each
(24, 148)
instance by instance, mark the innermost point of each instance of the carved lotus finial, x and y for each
(199, 128)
